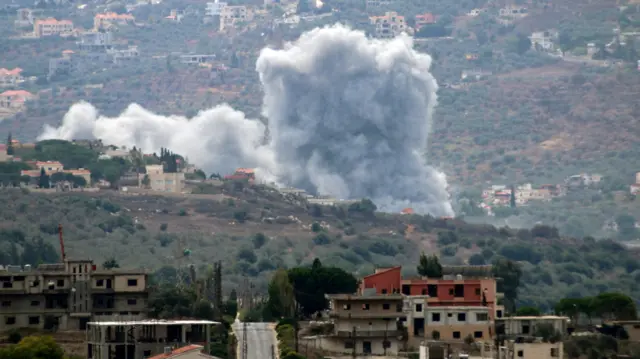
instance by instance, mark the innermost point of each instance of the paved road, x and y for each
(260, 339)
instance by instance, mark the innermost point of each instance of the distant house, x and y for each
(107, 20)
(543, 40)
(10, 77)
(214, 8)
(51, 26)
(162, 181)
(15, 99)
(424, 19)
(388, 25)
(230, 16)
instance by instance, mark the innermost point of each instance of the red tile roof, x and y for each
(178, 351)
(7, 72)
(22, 93)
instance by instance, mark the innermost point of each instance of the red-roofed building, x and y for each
(424, 19)
(407, 211)
(15, 99)
(189, 352)
(10, 77)
(51, 26)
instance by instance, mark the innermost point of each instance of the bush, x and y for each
(259, 240)
(182, 212)
(322, 239)
(316, 227)
(477, 260)
(164, 226)
(240, 216)
(247, 255)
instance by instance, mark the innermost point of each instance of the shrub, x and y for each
(259, 240)
(322, 239)
(182, 212)
(316, 227)
(163, 226)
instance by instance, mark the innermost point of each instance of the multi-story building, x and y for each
(119, 56)
(15, 99)
(95, 41)
(449, 308)
(230, 16)
(24, 18)
(146, 338)
(424, 19)
(364, 324)
(162, 181)
(533, 349)
(214, 8)
(68, 295)
(388, 25)
(107, 20)
(10, 77)
(51, 26)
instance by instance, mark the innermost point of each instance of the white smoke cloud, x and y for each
(348, 116)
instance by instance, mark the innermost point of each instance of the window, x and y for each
(478, 291)
(100, 283)
(386, 306)
(482, 317)
(346, 307)
(459, 290)
(35, 303)
(432, 290)
(435, 317)
(424, 291)
(525, 329)
(477, 334)
(7, 285)
(499, 314)
(10, 321)
(406, 289)
(462, 317)
(132, 282)
(146, 353)
(456, 335)
(450, 291)
(348, 344)
(132, 301)
(554, 352)
(365, 306)
(384, 291)
(520, 353)
(6, 303)
(60, 283)
(34, 320)
(18, 278)
(418, 307)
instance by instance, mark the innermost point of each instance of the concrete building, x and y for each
(196, 59)
(15, 99)
(146, 338)
(230, 16)
(162, 181)
(120, 56)
(535, 350)
(108, 20)
(10, 77)
(364, 324)
(527, 326)
(214, 8)
(543, 40)
(24, 18)
(424, 19)
(388, 25)
(377, 4)
(95, 41)
(51, 26)
(68, 295)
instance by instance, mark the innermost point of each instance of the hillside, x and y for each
(254, 230)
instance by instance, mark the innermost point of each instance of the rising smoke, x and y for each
(348, 116)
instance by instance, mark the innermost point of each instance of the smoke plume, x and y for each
(348, 116)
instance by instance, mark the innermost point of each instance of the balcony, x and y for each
(365, 315)
(368, 334)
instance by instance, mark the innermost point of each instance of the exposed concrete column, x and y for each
(207, 342)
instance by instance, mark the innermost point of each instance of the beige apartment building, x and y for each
(162, 181)
(364, 324)
(528, 325)
(231, 15)
(445, 323)
(388, 25)
(51, 26)
(68, 295)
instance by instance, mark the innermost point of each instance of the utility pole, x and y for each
(245, 349)
(273, 352)
(353, 336)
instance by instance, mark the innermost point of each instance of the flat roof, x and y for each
(531, 317)
(153, 322)
(365, 297)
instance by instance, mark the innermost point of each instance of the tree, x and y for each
(281, 303)
(110, 264)
(146, 182)
(528, 312)
(615, 306)
(512, 199)
(311, 284)
(10, 149)
(303, 6)
(429, 266)
(510, 273)
(36, 347)
(626, 226)
(43, 182)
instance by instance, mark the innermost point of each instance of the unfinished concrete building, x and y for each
(142, 339)
(68, 295)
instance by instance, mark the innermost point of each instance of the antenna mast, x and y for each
(62, 253)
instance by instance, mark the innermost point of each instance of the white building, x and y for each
(214, 8)
(232, 15)
(543, 40)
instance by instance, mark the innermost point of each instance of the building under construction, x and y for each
(70, 294)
